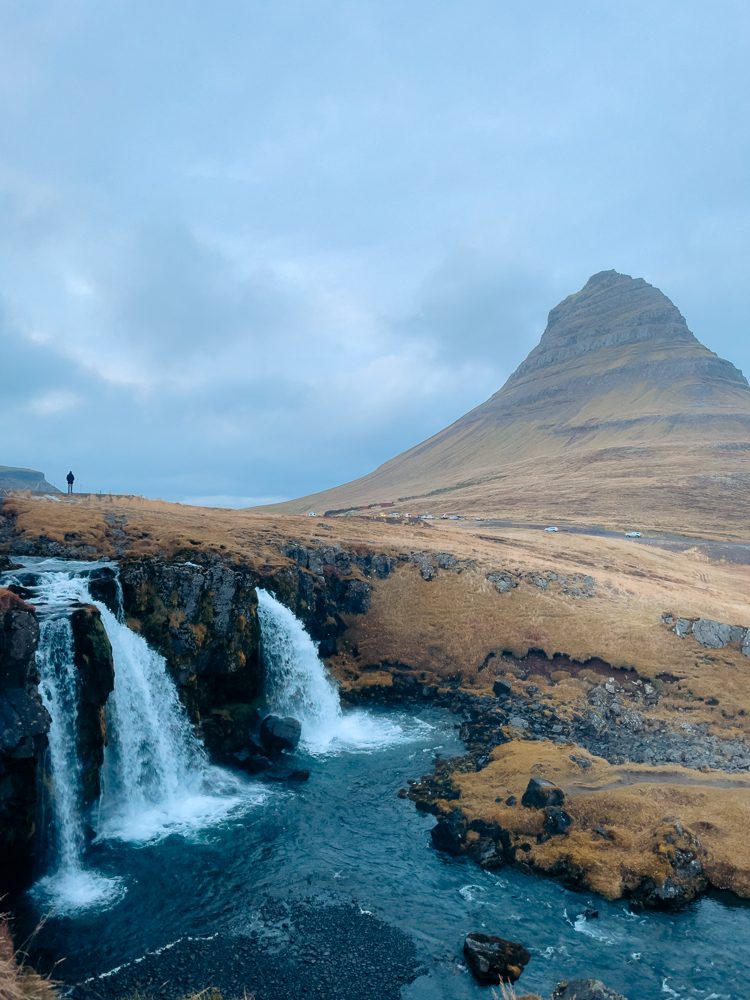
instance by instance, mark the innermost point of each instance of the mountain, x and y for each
(12, 478)
(619, 417)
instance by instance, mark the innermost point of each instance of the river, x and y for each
(331, 889)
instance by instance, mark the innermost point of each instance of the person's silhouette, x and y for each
(70, 479)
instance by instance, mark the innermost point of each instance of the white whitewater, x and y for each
(297, 684)
(70, 886)
(156, 779)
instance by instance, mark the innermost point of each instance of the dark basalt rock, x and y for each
(541, 793)
(202, 617)
(556, 821)
(585, 989)
(279, 734)
(449, 834)
(23, 726)
(493, 959)
(501, 689)
(93, 658)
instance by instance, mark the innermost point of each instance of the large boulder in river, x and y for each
(493, 959)
(585, 989)
(541, 793)
(278, 734)
(449, 834)
(678, 876)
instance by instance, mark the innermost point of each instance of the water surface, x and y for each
(345, 843)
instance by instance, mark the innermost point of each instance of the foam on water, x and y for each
(71, 890)
(297, 684)
(185, 814)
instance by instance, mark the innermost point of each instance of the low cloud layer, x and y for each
(253, 252)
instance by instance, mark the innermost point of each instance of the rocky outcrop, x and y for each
(202, 618)
(710, 633)
(279, 734)
(571, 584)
(493, 959)
(23, 725)
(93, 658)
(585, 989)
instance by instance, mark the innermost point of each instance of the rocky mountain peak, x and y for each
(611, 310)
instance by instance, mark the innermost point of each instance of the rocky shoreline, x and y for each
(496, 829)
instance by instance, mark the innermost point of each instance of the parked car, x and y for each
(552, 527)
(633, 534)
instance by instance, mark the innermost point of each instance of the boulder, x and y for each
(502, 689)
(541, 793)
(711, 634)
(585, 989)
(682, 627)
(556, 821)
(278, 734)
(493, 959)
(504, 582)
(449, 834)
(746, 643)
(679, 874)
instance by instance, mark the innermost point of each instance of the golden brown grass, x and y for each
(448, 627)
(630, 801)
(17, 980)
(450, 624)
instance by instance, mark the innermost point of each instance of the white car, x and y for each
(552, 527)
(633, 534)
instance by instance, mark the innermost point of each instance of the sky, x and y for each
(249, 250)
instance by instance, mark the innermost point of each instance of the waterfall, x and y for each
(156, 779)
(297, 684)
(70, 886)
(296, 680)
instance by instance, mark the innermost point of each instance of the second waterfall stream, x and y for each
(297, 684)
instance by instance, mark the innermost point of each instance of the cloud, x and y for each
(264, 273)
(53, 403)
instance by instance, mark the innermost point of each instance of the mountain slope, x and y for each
(619, 416)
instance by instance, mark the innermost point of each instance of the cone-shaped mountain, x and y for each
(619, 416)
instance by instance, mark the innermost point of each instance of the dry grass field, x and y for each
(456, 626)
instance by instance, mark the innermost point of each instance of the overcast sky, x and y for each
(252, 249)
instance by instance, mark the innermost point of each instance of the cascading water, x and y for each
(70, 886)
(298, 685)
(156, 778)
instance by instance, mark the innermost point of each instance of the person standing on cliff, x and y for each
(70, 479)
